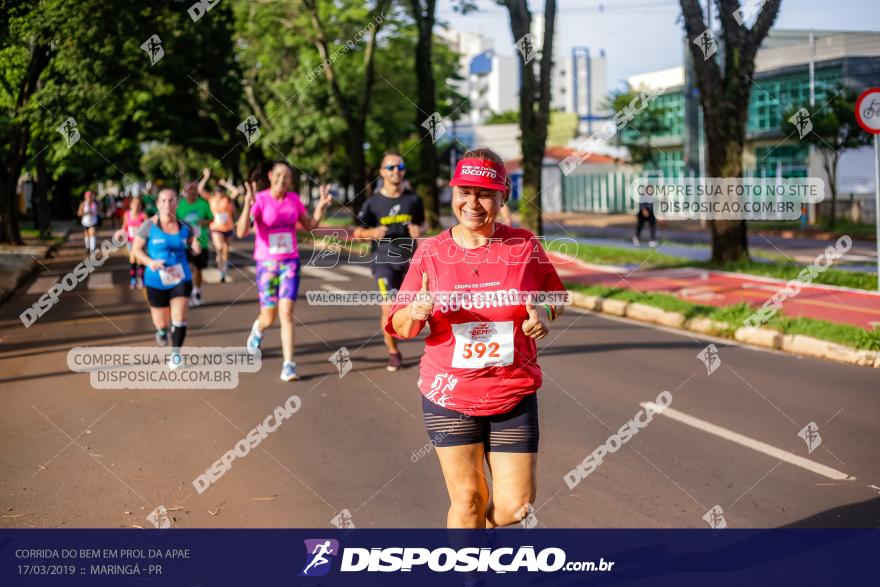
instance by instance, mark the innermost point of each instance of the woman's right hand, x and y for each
(423, 307)
(156, 264)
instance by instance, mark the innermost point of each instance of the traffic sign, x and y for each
(868, 117)
(868, 110)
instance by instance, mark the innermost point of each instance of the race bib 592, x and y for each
(482, 344)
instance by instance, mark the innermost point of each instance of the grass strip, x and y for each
(735, 315)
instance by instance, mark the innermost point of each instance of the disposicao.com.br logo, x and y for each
(321, 554)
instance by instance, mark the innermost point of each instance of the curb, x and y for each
(23, 275)
(796, 344)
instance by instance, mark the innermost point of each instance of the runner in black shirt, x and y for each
(393, 218)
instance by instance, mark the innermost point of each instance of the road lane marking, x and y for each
(212, 275)
(328, 287)
(100, 280)
(751, 443)
(42, 284)
(324, 274)
(358, 270)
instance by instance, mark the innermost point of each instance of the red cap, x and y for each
(480, 173)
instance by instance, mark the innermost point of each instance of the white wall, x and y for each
(503, 90)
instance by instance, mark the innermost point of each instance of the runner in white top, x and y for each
(88, 214)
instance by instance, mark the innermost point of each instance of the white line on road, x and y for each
(100, 280)
(212, 275)
(328, 287)
(42, 284)
(325, 274)
(361, 270)
(751, 443)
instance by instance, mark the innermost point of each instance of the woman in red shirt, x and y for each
(475, 286)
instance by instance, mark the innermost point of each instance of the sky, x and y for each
(645, 35)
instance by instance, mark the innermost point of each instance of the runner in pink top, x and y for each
(275, 214)
(275, 226)
(131, 222)
(481, 288)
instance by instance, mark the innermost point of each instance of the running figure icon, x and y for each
(318, 558)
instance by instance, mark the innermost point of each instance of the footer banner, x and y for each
(544, 557)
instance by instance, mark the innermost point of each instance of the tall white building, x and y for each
(579, 81)
(585, 88)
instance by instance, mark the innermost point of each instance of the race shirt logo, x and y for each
(441, 389)
(395, 217)
(478, 171)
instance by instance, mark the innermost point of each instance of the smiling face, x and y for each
(280, 178)
(476, 208)
(392, 177)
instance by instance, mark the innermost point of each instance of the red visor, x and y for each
(480, 173)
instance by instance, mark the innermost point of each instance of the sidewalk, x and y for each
(721, 288)
(17, 263)
(618, 230)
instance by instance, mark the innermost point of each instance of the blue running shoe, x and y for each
(254, 339)
(288, 372)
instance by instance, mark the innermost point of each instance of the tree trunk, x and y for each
(358, 166)
(19, 139)
(724, 96)
(353, 112)
(42, 216)
(427, 105)
(725, 138)
(829, 162)
(534, 108)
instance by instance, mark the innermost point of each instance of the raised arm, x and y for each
(312, 222)
(243, 225)
(203, 183)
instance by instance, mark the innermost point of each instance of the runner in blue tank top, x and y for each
(160, 245)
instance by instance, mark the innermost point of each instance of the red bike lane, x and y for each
(719, 288)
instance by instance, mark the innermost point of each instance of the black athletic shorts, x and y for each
(161, 298)
(513, 431)
(390, 277)
(199, 261)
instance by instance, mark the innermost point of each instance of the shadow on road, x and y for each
(864, 514)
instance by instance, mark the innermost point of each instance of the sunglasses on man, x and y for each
(398, 167)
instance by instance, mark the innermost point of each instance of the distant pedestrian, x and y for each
(646, 214)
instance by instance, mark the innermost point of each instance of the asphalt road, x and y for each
(75, 456)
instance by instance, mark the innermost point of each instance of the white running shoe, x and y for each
(174, 360)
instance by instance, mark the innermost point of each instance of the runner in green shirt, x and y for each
(196, 212)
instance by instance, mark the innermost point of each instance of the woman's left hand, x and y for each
(326, 198)
(538, 324)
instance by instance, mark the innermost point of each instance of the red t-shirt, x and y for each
(477, 360)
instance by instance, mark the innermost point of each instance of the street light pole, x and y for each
(877, 201)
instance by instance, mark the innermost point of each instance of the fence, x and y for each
(610, 193)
